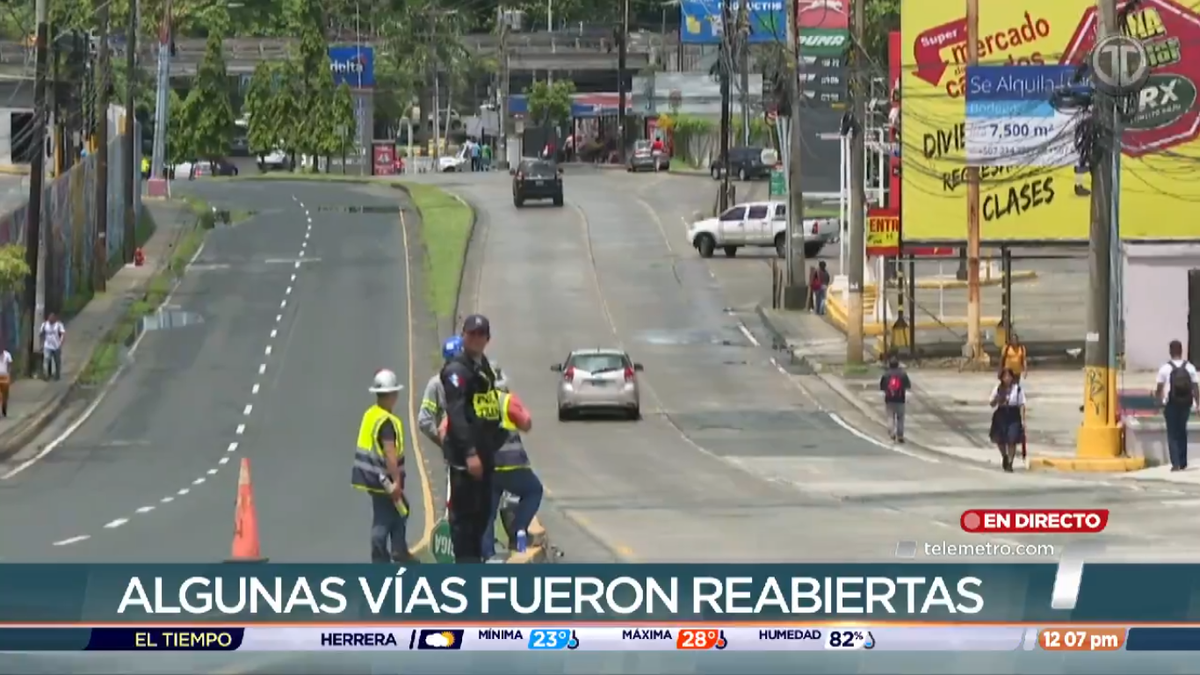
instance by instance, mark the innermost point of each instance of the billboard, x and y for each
(353, 65)
(704, 24)
(1033, 193)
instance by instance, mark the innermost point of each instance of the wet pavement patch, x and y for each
(679, 338)
(364, 210)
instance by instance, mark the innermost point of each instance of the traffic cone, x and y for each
(245, 521)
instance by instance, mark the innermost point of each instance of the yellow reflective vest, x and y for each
(370, 462)
(511, 455)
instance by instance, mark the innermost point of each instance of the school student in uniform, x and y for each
(1008, 417)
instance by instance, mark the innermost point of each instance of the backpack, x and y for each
(817, 282)
(1180, 382)
(895, 385)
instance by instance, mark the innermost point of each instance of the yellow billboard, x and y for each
(1029, 200)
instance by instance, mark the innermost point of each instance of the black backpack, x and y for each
(1180, 383)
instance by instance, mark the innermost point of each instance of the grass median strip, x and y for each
(445, 230)
(106, 359)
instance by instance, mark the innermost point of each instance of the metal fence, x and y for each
(68, 235)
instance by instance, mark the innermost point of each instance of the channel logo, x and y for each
(440, 639)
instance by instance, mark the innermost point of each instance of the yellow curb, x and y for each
(14, 169)
(1087, 465)
(838, 315)
(926, 284)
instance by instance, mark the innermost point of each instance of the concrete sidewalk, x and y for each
(948, 410)
(33, 403)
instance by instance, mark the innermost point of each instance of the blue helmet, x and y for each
(452, 347)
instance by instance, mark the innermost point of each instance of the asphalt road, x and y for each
(287, 325)
(735, 460)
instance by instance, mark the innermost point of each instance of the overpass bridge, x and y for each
(526, 52)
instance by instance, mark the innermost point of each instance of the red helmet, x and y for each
(518, 413)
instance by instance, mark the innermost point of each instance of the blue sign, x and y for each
(703, 23)
(353, 65)
(1010, 121)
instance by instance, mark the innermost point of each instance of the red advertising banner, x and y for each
(383, 156)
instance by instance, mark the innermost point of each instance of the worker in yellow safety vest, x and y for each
(514, 475)
(379, 471)
(145, 167)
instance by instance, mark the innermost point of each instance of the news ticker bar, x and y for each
(600, 638)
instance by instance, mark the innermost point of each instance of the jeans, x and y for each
(819, 300)
(52, 363)
(387, 524)
(525, 486)
(1176, 416)
(895, 416)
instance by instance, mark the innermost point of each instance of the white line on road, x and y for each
(274, 333)
(288, 291)
(873, 441)
(254, 389)
(267, 350)
(183, 491)
(278, 318)
(262, 368)
(241, 429)
(298, 264)
(198, 481)
(282, 304)
(223, 461)
(301, 253)
(73, 540)
(114, 524)
(293, 277)
(167, 500)
(213, 472)
(144, 509)
(248, 409)
(747, 333)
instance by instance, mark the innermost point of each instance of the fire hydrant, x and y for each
(139, 258)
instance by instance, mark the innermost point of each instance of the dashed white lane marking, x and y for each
(246, 412)
(747, 333)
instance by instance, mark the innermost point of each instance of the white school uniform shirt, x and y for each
(1016, 395)
(52, 335)
(5, 362)
(1164, 376)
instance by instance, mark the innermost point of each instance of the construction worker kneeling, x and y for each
(379, 471)
(515, 476)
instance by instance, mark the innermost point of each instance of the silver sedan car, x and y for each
(598, 380)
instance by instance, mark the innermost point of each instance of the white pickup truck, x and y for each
(760, 224)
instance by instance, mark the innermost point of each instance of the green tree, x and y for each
(13, 269)
(315, 83)
(320, 123)
(263, 129)
(344, 121)
(288, 108)
(207, 111)
(179, 141)
(550, 103)
(883, 17)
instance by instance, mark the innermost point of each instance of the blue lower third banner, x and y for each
(129, 595)
(656, 637)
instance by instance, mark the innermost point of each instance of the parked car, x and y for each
(537, 179)
(644, 158)
(276, 160)
(203, 167)
(454, 163)
(759, 224)
(746, 163)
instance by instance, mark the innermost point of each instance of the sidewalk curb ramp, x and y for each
(26, 430)
(1062, 464)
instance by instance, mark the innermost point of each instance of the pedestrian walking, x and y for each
(895, 385)
(1176, 387)
(6, 361)
(53, 334)
(379, 471)
(1014, 356)
(1008, 417)
(819, 284)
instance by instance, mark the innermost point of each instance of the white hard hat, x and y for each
(385, 383)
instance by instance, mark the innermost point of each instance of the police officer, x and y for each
(474, 433)
(379, 471)
(513, 475)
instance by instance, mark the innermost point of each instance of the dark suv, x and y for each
(745, 164)
(537, 179)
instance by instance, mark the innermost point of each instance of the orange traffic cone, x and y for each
(245, 521)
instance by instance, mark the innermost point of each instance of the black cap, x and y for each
(477, 323)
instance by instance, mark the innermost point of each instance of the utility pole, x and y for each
(161, 114)
(37, 174)
(974, 349)
(622, 56)
(131, 141)
(1100, 436)
(743, 43)
(725, 65)
(795, 293)
(502, 91)
(858, 204)
(100, 261)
